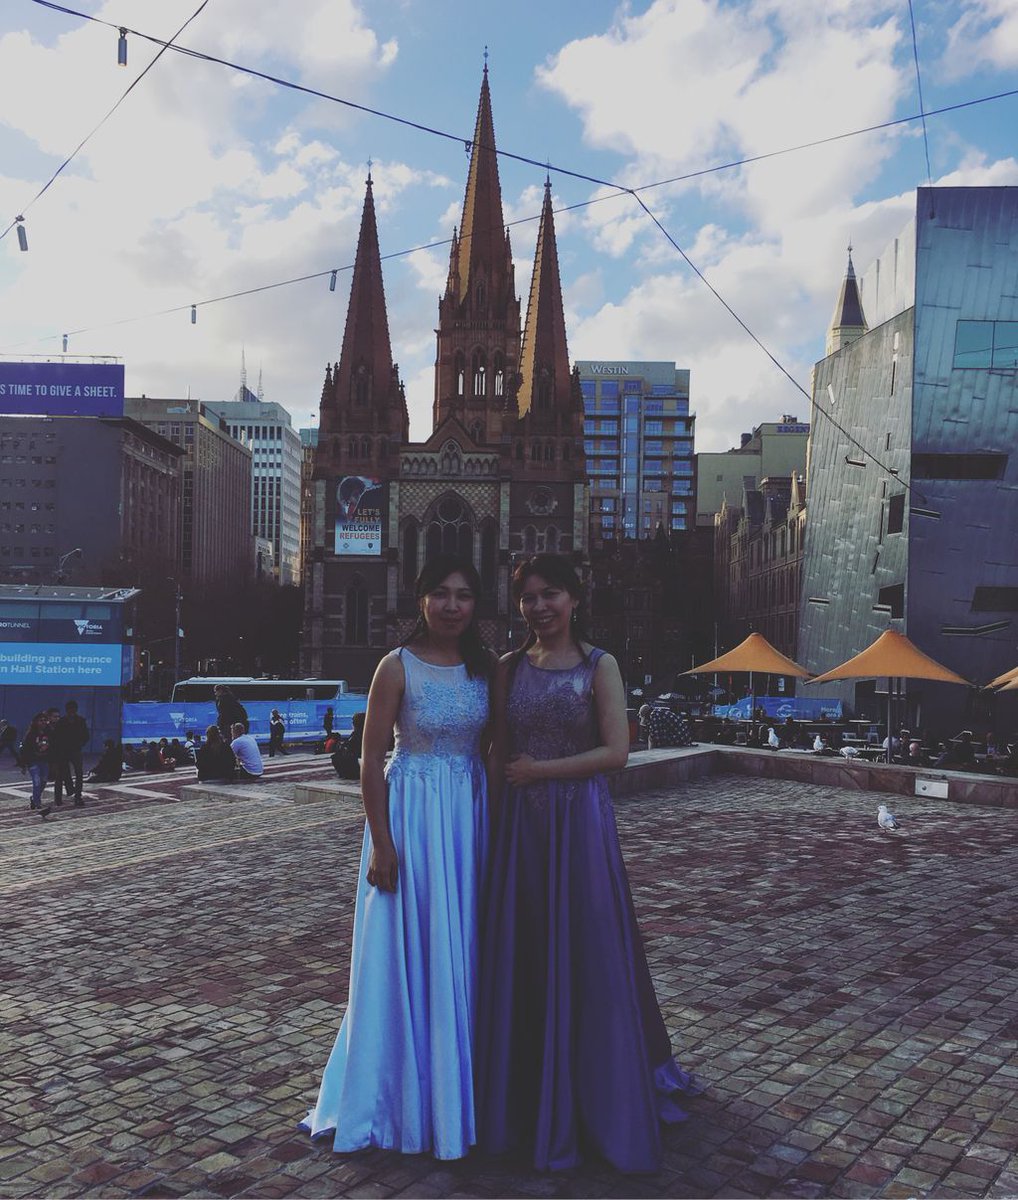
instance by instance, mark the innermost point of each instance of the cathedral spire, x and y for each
(848, 322)
(365, 393)
(546, 385)
(481, 252)
(367, 351)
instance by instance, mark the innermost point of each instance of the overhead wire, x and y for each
(88, 136)
(617, 189)
(919, 93)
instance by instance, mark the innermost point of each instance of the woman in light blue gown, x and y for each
(400, 1075)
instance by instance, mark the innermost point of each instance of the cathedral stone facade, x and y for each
(502, 474)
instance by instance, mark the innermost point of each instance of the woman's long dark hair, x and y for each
(556, 570)
(476, 656)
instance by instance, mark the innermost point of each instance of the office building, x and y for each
(916, 529)
(638, 440)
(105, 486)
(275, 474)
(774, 450)
(215, 537)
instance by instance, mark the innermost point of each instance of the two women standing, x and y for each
(561, 1038)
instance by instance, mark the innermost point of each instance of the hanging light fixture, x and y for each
(332, 282)
(22, 234)
(194, 314)
(122, 48)
(65, 343)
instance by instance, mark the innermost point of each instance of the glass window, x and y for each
(609, 387)
(973, 344)
(653, 466)
(608, 405)
(654, 406)
(680, 523)
(654, 427)
(1005, 344)
(682, 467)
(632, 406)
(632, 387)
(652, 485)
(589, 427)
(587, 388)
(959, 466)
(653, 447)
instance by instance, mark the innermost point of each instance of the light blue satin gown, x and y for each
(400, 1075)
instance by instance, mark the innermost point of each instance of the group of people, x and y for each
(51, 751)
(499, 991)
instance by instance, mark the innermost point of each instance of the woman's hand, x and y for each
(523, 769)
(383, 868)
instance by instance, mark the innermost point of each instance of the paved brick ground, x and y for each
(172, 975)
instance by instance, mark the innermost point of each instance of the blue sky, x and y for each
(205, 182)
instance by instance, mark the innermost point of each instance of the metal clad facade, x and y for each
(849, 554)
(966, 270)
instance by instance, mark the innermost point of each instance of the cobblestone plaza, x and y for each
(173, 975)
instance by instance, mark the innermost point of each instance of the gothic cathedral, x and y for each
(502, 474)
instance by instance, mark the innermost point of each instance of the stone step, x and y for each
(204, 793)
(313, 793)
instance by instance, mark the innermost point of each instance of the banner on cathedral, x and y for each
(359, 508)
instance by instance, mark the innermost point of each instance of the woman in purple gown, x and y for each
(572, 1053)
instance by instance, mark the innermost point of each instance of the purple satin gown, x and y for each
(572, 1052)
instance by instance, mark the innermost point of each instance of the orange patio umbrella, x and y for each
(894, 656)
(1008, 677)
(753, 656)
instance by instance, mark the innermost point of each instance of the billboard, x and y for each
(359, 507)
(60, 389)
(67, 664)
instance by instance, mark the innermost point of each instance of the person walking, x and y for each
(572, 1051)
(69, 737)
(277, 732)
(328, 721)
(34, 758)
(229, 711)
(400, 1075)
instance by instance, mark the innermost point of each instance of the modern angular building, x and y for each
(276, 456)
(638, 440)
(215, 537)
(503, 471)
(916, 529)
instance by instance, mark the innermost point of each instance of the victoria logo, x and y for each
(87, 628)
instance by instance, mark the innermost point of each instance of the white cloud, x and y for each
(985, 34)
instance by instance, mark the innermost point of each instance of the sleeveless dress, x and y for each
(572, 1051)
(400, 1075)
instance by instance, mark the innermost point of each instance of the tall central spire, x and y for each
(479, 314)
(480, 249)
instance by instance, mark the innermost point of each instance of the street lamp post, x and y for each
(59, 574)
(178, 633)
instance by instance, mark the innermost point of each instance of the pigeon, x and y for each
(886, 820)
(772, 739)
(818, 744)
(848, 752)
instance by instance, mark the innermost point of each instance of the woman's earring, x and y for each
(572, 619)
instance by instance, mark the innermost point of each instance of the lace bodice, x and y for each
(551, 711)
(443, 710)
